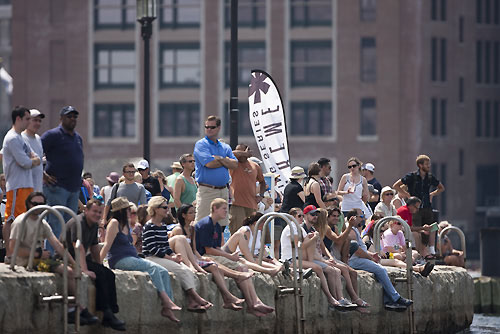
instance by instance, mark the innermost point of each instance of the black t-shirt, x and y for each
(89, 234)
(374, 182)
(420, 187)
(152, 185)
(291, 198)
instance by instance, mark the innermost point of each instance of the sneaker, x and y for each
(89, 317)
(404, 302)
(347, 304)
(394, 306)
(72, 317)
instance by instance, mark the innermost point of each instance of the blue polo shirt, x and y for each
(64, 153)
(204, 150)
(207, 234)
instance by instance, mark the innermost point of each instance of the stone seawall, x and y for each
(444, 303)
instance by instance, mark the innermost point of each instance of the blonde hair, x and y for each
(158, 174)
(154, 203)
(137, 177)
(321, 223)
(421, 159)
(217, 203)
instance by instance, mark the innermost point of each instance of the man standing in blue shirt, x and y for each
(213, 160)
(63, 149)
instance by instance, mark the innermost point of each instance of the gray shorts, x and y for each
(321, 264)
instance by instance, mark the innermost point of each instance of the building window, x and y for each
(461, 29)
(114, 14)
(479, 61)
(496, 62)
(479, 119)
(434, 116)
(438, 10)
(487, 185)
(114, 120)
(487, 12)
(367, 10)
(487, 62)
(179, 65)
(179, 120)
(251, 56)
(496, 119)
(461, 162)
(479, 11)
(306, 13)
(461, 89)
(251, 13)
(438, 59)
(368, 59)
(244, 125)
(114, 66)
(180, 14)
(311, 119)
(438, 117)
(487, 119)
(496, 12)
(311, 63)
(368, 117)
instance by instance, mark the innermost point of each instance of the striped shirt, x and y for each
(155, 240)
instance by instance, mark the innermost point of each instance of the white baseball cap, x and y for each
(143, 164)
(369, 166)
(36, 113)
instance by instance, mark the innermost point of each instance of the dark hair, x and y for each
(122, 217)
(294, 211)
(183, 210)
(91, 202)
(352, 213)
(19, 111)
(128, 164)
(87, 175)
(183, 157)
(413, 200)
(142, 214)
(253, 218)
(212, 118)
(28, 203)
(313, 169)
(323, 162)
(332, 210)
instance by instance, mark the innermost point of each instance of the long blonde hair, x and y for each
(322, 222)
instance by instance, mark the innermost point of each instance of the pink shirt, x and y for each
(390, 239)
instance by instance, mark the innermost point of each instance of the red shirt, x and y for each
(405, 214)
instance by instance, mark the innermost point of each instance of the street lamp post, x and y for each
(146, 13)
(233, 77)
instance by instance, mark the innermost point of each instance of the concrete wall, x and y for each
(487, 295)
(443, 304)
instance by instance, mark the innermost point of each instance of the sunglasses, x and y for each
(37, 203)
(129, 171)
(398, 223)
(300, 216)
(314, 214)
(71, 116)
(210, 127)
(352, 166)
(388, 194)
(362, 216)
(163, 207)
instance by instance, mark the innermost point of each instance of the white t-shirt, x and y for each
(37, 172)
(286, 245)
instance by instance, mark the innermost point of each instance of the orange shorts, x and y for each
(15, 202)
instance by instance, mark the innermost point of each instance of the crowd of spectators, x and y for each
(160, 224)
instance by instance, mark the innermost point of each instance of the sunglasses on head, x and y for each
(210, 127)
(352, 166)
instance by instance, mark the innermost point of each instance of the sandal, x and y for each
(430, 257)
(347, 304)
(427, 269)
(361, 303)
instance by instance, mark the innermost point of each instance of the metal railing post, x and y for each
(408, 260)
(461, 235)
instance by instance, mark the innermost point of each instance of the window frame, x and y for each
(308, 21)
(111, 107)
(324, 107)
(123, 25)
(177, 46)
(227, 57)
(326, 44)
(175, 16)
(366, 74)
(111, 47)
(162, 108)
(367, 104)
(254, 5)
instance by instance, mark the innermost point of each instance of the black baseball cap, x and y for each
(67, 110)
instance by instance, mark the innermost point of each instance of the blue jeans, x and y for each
(59, 196)
(159, 275)
(390, 294)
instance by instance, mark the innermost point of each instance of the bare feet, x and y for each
(244, 276)
(260, 307)
(255, 312)
(232, 306)
(167, 313)
(275, 271)
(206, 305)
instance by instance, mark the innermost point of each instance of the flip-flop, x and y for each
(427, 269)
(363, 303)
(197, 309)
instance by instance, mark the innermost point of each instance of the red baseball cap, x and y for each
(309, 209)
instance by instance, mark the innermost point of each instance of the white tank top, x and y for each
(354, 200)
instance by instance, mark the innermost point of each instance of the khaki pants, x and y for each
(204, 197)
(225, 262)
(238, 215)
(186, 277)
